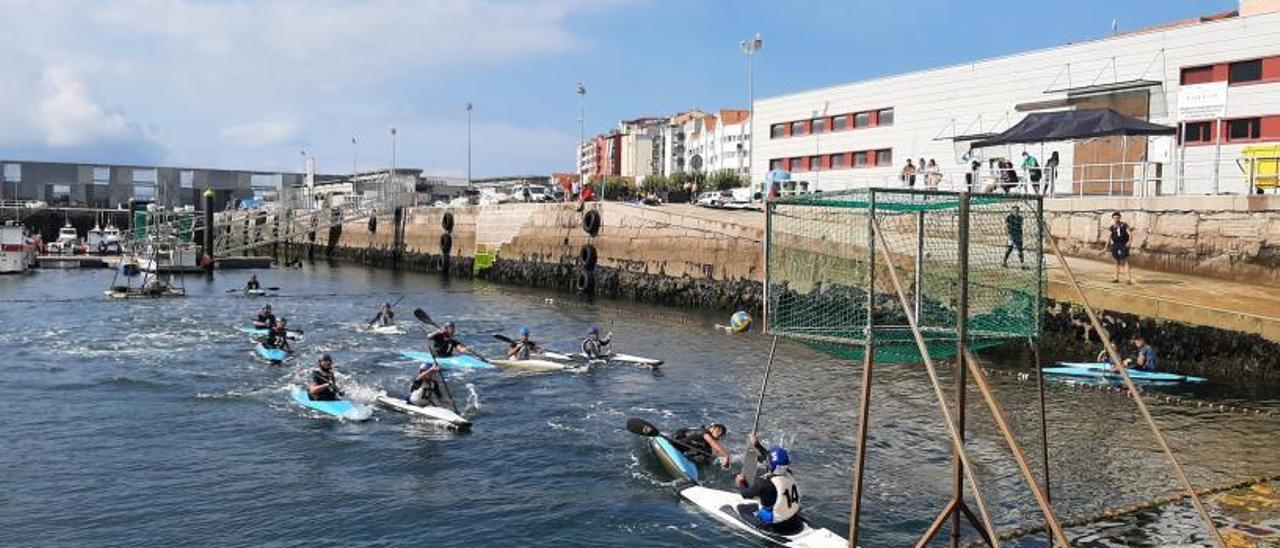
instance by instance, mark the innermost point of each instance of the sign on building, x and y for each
(1202, 101)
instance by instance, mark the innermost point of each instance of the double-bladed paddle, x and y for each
(641, 427)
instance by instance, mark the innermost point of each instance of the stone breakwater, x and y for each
(685, 258)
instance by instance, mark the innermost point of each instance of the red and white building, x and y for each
(861, 134)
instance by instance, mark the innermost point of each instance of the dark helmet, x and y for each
(724, 431)
(448, 324)
(325, 358)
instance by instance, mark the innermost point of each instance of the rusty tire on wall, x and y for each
(446, 244)
(446, 222)
(588, 257)
(591, 222)
(585, 283)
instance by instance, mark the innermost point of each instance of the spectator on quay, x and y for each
(1051, 171)
(932, 175)
(1032, 167)
(1008, 176)
(909, 174)
(588, 195)
(1118, 245)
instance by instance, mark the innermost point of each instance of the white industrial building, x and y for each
(862, 133)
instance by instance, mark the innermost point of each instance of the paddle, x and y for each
(749, 460)
(422, 316)
(241, 289)
(641, 427)
(379, 315)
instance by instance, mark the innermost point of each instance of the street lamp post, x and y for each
(469, 109)
(582, 135)
(392, 174)
(751, 47)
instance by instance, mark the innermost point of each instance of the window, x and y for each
(819, 125)
(13, 172)
(884, 157)
(144, 192)
(264, 181)
(1244, 71)
(799, 164)
(144, 175)
(101, 175)
(775, 164)
(60, 194)
(862, 119)
(815, 163)
(1244, 130)
(1197, 132)
(860, 159)
(884, 117)
(839, 123)
(1197, 75)
(186, 179)
(837, 161)
(797, 128)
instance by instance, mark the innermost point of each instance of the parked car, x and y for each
(35, 204)
(716, 198)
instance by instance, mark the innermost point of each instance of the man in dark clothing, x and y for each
(595, 347)
(1118, 245)
(779, 508)
(1013, 227)
(707, 440)
(252, 284)
(324, 383)
(443, 343)
(266, 318)
(278, 336)
(1146, 357)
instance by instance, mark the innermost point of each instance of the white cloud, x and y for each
(69, 117)
(261, 134)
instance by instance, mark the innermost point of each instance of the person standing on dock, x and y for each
(1013, 228)
(909, 174)
(1118, 245)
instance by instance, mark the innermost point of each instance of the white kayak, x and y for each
(723, 505)
(534, 364)
(438, 415)
(384, 329)
(631, 360)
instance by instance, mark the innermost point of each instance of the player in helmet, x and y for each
(704, 441)
(595, 347)
(779, 508)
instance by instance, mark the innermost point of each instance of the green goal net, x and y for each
(828, 282)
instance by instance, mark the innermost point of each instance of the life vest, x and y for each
(787, 504)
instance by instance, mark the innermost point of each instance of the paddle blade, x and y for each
(749, 463)
(422, 316)
(273, 289)
(504, 338)
(641, 427)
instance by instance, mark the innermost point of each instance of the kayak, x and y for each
(273, 355)
(673, 460)
(342, 409)
(534, 364)
(1105, 370)
(432, 413)
(255, 292)
(385, 330)
(724, 506)
(464, 361)
(262, 332)
(622, 358)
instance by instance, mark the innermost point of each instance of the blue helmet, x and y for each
(778, 457)
(524, 331)
(593, 331)
(386, 305)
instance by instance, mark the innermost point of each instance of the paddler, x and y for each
(278, 336)
(706, 440)
(266, 318)
(594, 347)
(425, 389)
(522, 347)
(779, 509)
(324, 384)
(1145, 360)
(386, 316)
(443, 342)
(252, 284)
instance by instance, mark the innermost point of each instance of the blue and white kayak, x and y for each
(673, 460)
(463, 361)
(273, 355)
(1106, 371)
(262, 332)
(342, 409)
(734, 511)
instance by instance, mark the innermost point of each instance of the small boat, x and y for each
(384, 329)
(262, 332)
(68, 239)
(673, 460)
(534, 364)
(432, 413)
(13, 249)
(274, 355)
(1107, 371)
(463, 361)
(343, 409)
(733, 510)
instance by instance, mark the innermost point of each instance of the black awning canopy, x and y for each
(1070, 125)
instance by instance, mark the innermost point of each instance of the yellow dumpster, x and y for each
(1262, 165)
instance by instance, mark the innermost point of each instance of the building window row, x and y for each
(1236, 130)
(828, 124)
(1248, 71)
(840, 160)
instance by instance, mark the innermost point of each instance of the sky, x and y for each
(244, 84)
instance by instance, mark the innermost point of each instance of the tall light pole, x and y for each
(392, 175)
(470, 107)
(355, 158)
(582, 134)
(750, 47)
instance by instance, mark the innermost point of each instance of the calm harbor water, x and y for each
(150, 424)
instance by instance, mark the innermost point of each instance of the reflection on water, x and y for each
(154, 419)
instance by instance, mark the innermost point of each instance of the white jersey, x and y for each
(788, 503)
